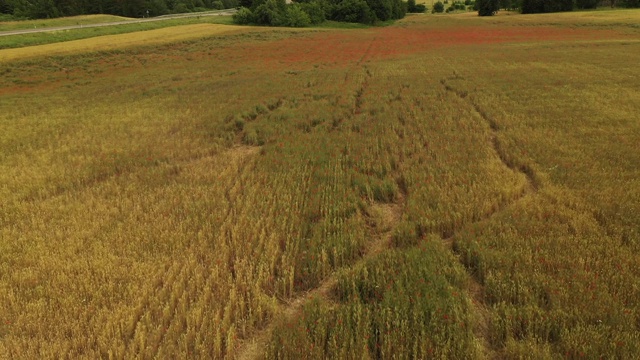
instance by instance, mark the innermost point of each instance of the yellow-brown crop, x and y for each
(445, 187)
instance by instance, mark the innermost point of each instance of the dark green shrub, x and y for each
(355, 11)
(382, 8)
(438, 7)
(315, 11)
(157, 8)
(230, 4)
(545, 6)
(243, 16)
(35, 10)
(271, 12)
(296, 17)
(181, 8)
(398, 9)
(587, 4)
(487, 7)
(412, 7)
(6, 7)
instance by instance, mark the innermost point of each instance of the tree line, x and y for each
(490, 7)
(308, 12)
(278, 13)
(39, 9)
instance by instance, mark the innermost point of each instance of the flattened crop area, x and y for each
(445, 187)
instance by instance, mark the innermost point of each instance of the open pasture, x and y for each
(445, 187)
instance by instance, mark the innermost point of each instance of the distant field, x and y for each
(26, 40)
(445, 187)
(117, 42)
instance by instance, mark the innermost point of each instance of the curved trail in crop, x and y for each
(390, 215)
(476, 289)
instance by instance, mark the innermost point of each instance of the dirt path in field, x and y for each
(383, 220)
(476, 289)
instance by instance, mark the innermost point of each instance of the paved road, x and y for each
(134, 21)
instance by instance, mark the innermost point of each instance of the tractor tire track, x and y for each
(290, 309)
(476, 288)
(359, 101)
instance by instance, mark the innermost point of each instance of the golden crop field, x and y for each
(444, 187)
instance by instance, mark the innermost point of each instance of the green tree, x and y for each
(297, 17)
(6, 7)
(132, 8)
(398, 9)
(71, 7)
(488, 7)
(383, 9)
(545, 6)
(315, 11)
(508, 4)
(230, 4)
(103, 7)
(271, 12)
(243, 16)
(587, 4)
(157, 7)
(411, 5)
(355, 11)
(181, 8)
(35, 9)
(438, 7)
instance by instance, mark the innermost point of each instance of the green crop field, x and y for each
(66, 21)
(448, 186)
(27, 40)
